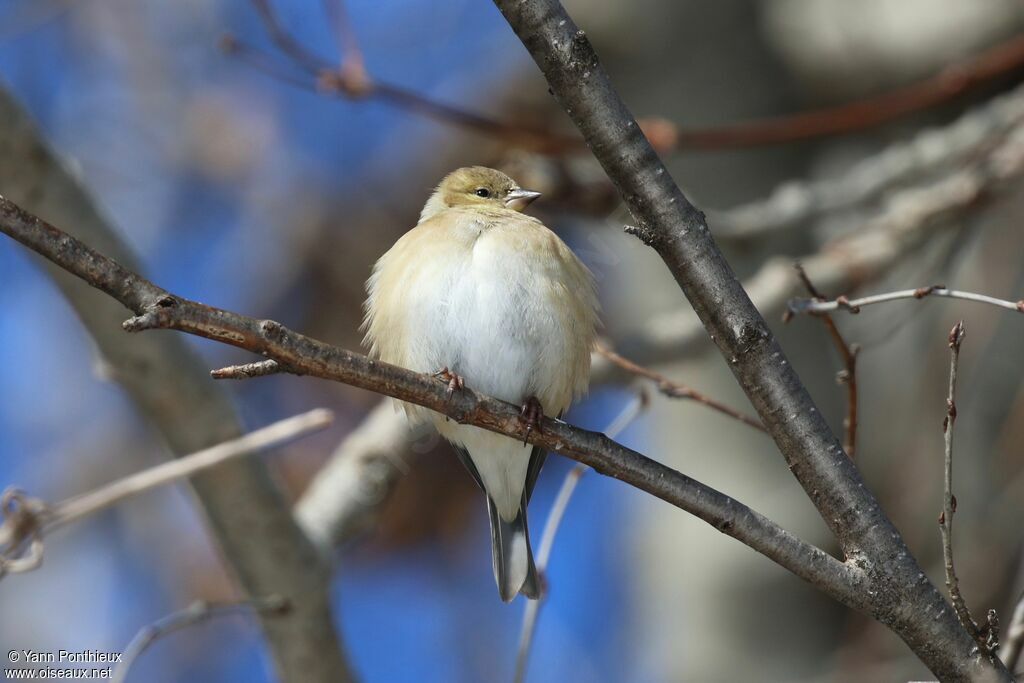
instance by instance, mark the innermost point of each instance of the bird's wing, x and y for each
(468, 463)
(537, 458)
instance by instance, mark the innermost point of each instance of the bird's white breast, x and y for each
(486, 313)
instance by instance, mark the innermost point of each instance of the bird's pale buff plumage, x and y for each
(496, 297)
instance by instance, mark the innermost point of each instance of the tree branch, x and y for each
(675, 389)
(28, 520)
(848, 375)
(667, 222)
(956, 337)
(167, 383)
(953, 81)
(199, 611)
(818, 305)
(350, 79)
(156, 308)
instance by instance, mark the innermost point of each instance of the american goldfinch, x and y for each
(480, 293)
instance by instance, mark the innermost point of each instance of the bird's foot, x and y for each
(455, 381)
(530, 415)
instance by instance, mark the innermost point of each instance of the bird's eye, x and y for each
(482, 192)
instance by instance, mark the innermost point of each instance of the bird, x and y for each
(480, 294)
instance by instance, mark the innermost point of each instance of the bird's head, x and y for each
(477, 186)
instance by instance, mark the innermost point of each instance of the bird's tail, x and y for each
(511, 554)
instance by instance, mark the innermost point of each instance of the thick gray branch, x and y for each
(249, 518)
(900, 594)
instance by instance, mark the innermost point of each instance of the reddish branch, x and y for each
(952, 82)
(350, 79)
(848, 375)
(674, 389)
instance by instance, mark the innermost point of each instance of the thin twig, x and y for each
(285, 41)
(264, 63)
(956, 336)
(847, 376)
(156, 308)
(1014, 643)
(352, 81)
(28, 520)
(798, 306)
(953, 81)
(199, 611)
(675, 389)
(347, 38)
(531, 612)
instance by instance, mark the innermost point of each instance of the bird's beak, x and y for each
(519, 199)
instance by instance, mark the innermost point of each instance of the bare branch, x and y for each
(847, 376)
(952, 82)
(675, 389)
(956, 337)
(350, 79)
(348, 40)
(532, 610)
(156, 308)
(28, 520)
(348, 491)
(668, 223)
(199, 611)
(816, 306)
(285, 41)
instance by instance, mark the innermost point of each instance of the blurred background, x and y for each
(239, 184)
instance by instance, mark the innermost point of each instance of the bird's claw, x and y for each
(530, 415)
(455, 381)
